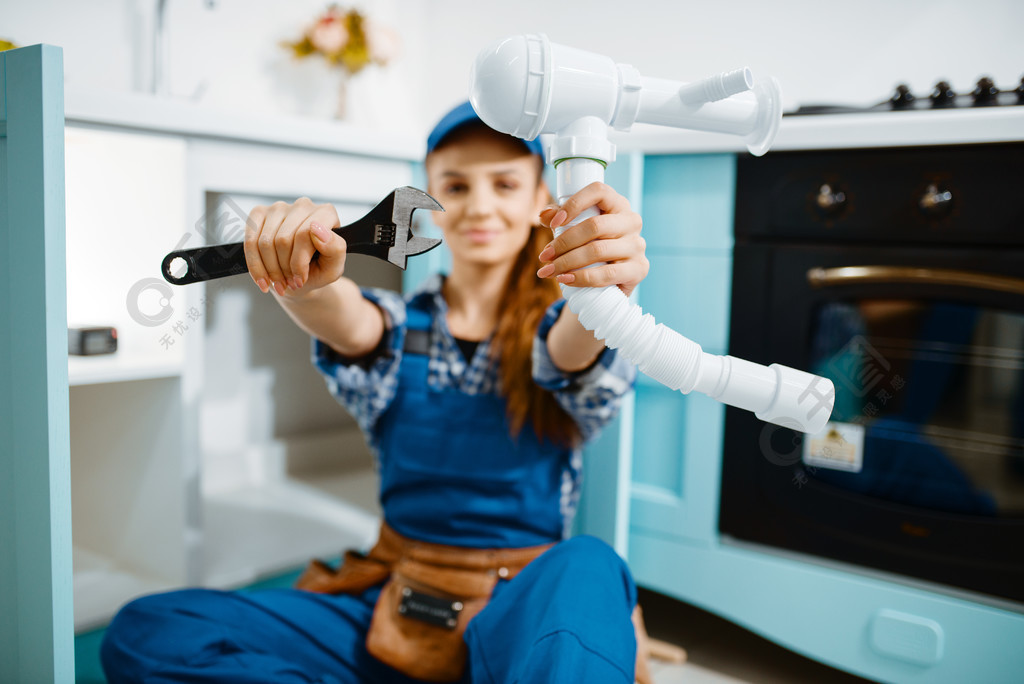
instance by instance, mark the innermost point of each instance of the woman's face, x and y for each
(488, 186)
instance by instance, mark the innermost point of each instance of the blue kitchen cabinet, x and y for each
(653, 469)
(687, 207)
(36, 628)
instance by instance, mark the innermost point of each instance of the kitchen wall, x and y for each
(227, 55)
(820, 51)
(222, 53)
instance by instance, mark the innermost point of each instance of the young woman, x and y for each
(475, 393)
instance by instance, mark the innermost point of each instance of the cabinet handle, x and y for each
(857, 275)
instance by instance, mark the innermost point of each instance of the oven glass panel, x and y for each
(929, 404)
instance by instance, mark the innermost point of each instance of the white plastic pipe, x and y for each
(525, 86)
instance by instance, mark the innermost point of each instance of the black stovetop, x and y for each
(942, 97)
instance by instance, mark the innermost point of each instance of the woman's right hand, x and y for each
(281, 240)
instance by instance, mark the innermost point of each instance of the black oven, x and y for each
(899, 275)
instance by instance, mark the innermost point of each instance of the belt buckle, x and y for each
(433, 610)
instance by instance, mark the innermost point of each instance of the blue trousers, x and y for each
(564, 618)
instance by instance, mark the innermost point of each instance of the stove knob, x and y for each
(985, 93)
(942, 95)
(830, 200)
(902, 98)
(936, 201)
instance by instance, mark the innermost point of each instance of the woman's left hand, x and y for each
(611, 239)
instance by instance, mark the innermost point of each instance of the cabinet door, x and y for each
(677, 438)
(36, 629)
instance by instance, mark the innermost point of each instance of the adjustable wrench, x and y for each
(385, 233)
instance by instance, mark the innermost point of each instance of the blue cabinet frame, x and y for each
(36, 625)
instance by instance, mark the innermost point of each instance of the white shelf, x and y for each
(101, 587)
(151, 113)
(254, 532)
(92, 370)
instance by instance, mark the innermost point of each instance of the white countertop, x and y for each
(827, 131)
(838, 131)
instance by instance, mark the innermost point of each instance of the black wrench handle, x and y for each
(220, 261)
(204, 263)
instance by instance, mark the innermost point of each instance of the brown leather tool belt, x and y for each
(432, 591)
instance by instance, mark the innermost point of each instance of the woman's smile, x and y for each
(481, 236)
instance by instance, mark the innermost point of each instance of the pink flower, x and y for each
(329, 35)
(381, 41)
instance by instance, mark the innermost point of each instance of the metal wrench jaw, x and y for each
(406, 200)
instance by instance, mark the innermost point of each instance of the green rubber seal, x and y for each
(602, 162)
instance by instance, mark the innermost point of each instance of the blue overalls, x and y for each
(450, 474)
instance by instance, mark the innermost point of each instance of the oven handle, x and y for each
(857, 275)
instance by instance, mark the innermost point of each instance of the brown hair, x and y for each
(523, 305)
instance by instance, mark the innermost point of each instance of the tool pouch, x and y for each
(421, 615)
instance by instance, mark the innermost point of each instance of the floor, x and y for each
(720, 652)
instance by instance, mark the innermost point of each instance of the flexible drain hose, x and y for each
(776, 393)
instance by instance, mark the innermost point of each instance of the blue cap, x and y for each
(459, 117)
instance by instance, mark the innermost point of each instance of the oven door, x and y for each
(921, 470)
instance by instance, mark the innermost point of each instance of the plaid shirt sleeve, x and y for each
(366, 386)
(591, 396)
